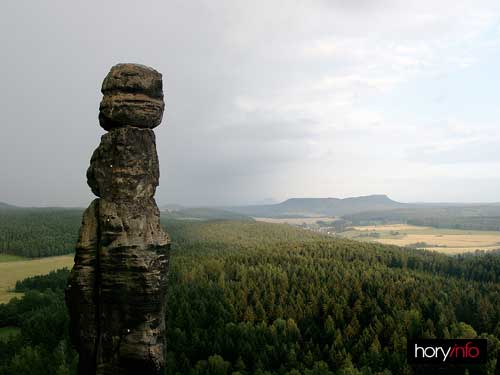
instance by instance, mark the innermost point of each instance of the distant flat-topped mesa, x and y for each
(133, 96)
(116, 293)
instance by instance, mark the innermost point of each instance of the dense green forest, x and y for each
(204, 213)
(38, 340)
(39, 232)
(43, 232)
(258, 298)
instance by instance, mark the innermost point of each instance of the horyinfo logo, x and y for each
(442, 352)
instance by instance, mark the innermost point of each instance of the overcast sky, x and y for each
(264, 99)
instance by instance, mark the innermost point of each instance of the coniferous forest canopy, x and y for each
(43, 232)
(258, 298)
(39, 232)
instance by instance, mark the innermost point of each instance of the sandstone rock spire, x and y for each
(117, 288)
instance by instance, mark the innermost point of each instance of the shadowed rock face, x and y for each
(117, 288)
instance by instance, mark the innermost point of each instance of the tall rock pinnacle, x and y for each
(117, 288)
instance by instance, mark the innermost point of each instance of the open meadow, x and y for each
(449, 241)
(12, 269)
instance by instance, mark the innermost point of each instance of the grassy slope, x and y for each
(10, 258)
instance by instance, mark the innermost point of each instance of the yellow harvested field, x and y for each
(294, 220)
(10, 272)
(450, 241)
(390, 227)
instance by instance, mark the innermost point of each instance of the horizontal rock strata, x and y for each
(117, 288)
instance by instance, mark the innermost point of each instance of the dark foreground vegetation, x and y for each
(257, 298)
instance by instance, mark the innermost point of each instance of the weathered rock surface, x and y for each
(117, 288)
(133, 96)
(125, 165)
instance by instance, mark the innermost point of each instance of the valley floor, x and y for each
(14, 270)
(448, 241)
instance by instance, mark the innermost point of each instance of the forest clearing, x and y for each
(13, 271)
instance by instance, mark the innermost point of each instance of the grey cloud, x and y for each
(55, 55)
(484, 151)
